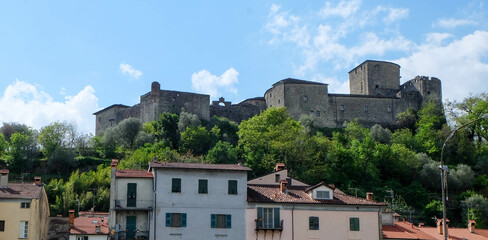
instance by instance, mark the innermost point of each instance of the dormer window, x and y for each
(323, 195)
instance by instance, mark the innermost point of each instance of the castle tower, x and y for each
(375, 78)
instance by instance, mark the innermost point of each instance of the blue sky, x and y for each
(64, 60)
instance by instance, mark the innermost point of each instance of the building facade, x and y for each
(290, 210)
(24, 209)
(131, 203)
(199, 201)
(88, 226)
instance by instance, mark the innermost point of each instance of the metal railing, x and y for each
(260, 225)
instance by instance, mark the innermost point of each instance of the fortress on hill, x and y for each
(376, 97)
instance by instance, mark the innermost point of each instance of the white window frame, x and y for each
(24, 229)
(327, 193)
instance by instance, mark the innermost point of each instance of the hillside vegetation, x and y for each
(399, 165)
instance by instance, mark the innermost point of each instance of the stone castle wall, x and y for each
(376, 98)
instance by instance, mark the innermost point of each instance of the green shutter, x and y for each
(202, 186)
(213, 220)
(176, 185)
(228, 223)
(183, 220)
(277, 218)
(354, 224)
(168, 219)
(232, 187)
(131, 194)
(260, 217)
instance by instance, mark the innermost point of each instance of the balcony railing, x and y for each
(261, 225)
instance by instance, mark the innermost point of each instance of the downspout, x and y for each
(292, 223)
(155, 198)
(380, 225)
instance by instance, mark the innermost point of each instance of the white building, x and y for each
(199, 201)
(131, 203)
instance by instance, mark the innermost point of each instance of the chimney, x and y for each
(114, 163)
(37, 180)
(4, 178)
(440, 228)
(471, 226)
(279, 167)
(283, 186)
(332, 185)
(71, 221)
(369, 196)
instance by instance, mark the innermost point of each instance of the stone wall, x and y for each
(375, 78)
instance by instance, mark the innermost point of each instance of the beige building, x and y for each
(24, 209)
(291, 210)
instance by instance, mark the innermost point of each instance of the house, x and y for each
(131, 203)
(405, 230)
(199, 201)
(294, 210)
(24, 209)
(88, 226)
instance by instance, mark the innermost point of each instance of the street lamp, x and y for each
(444, 169)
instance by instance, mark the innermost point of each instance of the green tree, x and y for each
(431, 119)
(198, 140)
(187, 120)
(222, 153)
(56, 135)
(167, 129)
(127, 131)
(23, 151)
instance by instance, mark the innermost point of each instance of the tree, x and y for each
(431, 119)
(56, 135)
(380, 134)
(198, 140)
(167, 129)
(127, 131)
(187, 120)
(222, 153)
(478, 210)
(23, 151)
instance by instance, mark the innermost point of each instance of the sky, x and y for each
(65, 60)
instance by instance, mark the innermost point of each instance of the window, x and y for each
(232, 187)
(365, 108)
(25, 205)
(82, 238)
(312, 112)
(341, 107)
(305, 98)
(2, 225)
(176, 185)
(323, 195)
(202, 186)
(389, 108)
(313, 223)
(24, 229)
(277, 178)
(131, 194)
(220, 221)
(279, 100)
(268, 218)
(376, 86)
(317, 113)
(175, 219)
(354, 224)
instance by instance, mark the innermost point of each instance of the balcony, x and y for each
(261, 224)
(141, 205)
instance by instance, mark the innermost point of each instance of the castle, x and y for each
(376, 97)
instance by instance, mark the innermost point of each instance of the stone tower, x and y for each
(375, 78)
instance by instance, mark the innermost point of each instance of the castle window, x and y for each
(99, 119)
(376, 86)
(341, 107)
(279, 100)
(317, 113)
(365, 108)
(305, 98)
(312, 112)
(389, 108)
(270, 95)
(428, 92)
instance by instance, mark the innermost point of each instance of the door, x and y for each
(130, 226)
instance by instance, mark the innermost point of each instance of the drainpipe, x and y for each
(380, 225)
(292, 223)
(155, 198)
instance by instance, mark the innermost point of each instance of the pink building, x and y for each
(284, 208)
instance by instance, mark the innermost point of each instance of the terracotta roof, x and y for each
(21, 191)
(404, 230)
(231, 167)
(297, 194)
(133, 173)
(86, 226)
(4, 171)
(320, 184)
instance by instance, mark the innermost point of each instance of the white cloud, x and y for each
(127, 69)
(25, 103)
(395, 14)
(205, 82)
(452, 23)
(459, 64)
(343, 9)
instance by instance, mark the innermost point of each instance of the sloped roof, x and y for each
(405, 230)
(133, 173)
(86, 225)
(203, 166)
(268, 179)
(21, 191)
(297, 194)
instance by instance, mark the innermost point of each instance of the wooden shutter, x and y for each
(213, 221)
(168, 219)
(183, 220)
(131, 194)
(260, 217)
(277, 218)
(228, 221)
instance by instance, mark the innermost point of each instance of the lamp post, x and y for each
(444, 169)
